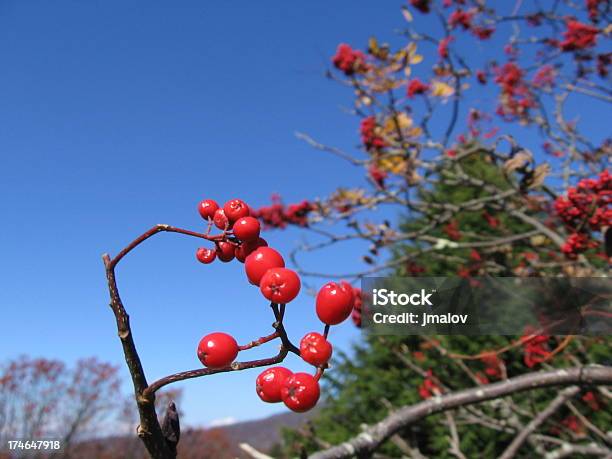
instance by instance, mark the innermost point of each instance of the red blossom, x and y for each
(493, 365)
(461, 18)
(356, 313)
(377, 175)
(490, 219)
(416, 86)
(452, 230)
(603, 62)
(349, 60)
(369, 136)
(535, 349)
(578, 36)
(429, 386)
(481, 76)
(544, 77)
(591, 399)
(516, 99)
(590, 202)
(577, 243)
(451, 153)
(484, 33)
(572, 423)
(443, 46)
(414, 269)
(593, 8)
(550, 150)
(421, 5)
(277, 215)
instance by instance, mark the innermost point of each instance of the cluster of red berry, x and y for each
(369, 134)
(516, 98)
(586, 207)
(300, 391)
(535, 349)
(430, 386)
(416, 86)
(278, 215)
(265, 268)
(357, 305)
(578, 36)
(349, 60)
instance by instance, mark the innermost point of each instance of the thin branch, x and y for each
(149, 429)
(236, 366)
(536, 422)
(252, 452)
(336, 151)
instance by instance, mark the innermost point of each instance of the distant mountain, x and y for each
(213, 443)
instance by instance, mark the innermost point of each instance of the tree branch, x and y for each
(375, 435)
(149, 429)
(536, 422)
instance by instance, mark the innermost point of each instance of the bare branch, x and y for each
(536, 422)
(372, 437)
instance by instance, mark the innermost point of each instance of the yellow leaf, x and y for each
(415, 132)
(373, 46)
(440, 89)
(407, 14)
(392, 164)
(411, 48)
(401, 121)
(416, 59)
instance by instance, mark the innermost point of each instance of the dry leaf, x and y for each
(519, 160)
(392, 164)
(441, 89)
(539, 175)
(407, 14)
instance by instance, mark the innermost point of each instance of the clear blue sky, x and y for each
(115, 116)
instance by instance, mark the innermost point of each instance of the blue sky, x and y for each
(115, 116)
(118, 116)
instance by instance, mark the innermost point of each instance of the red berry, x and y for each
(270, 382)
(247, 229)
(280, 285)
(356, 317)
(225, 251)
(207, 208)
(220, 219)
(217, 350)
(248, 247)
(334, 303)
(300, 392)
(315, 349)
(236, 209)
(205, 255)
(358, 300)
(258, 262)
(348, 288)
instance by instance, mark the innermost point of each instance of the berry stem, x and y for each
(278, 325)
(236, 366)
(158, 229)
(326, 330)
(259, 341)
